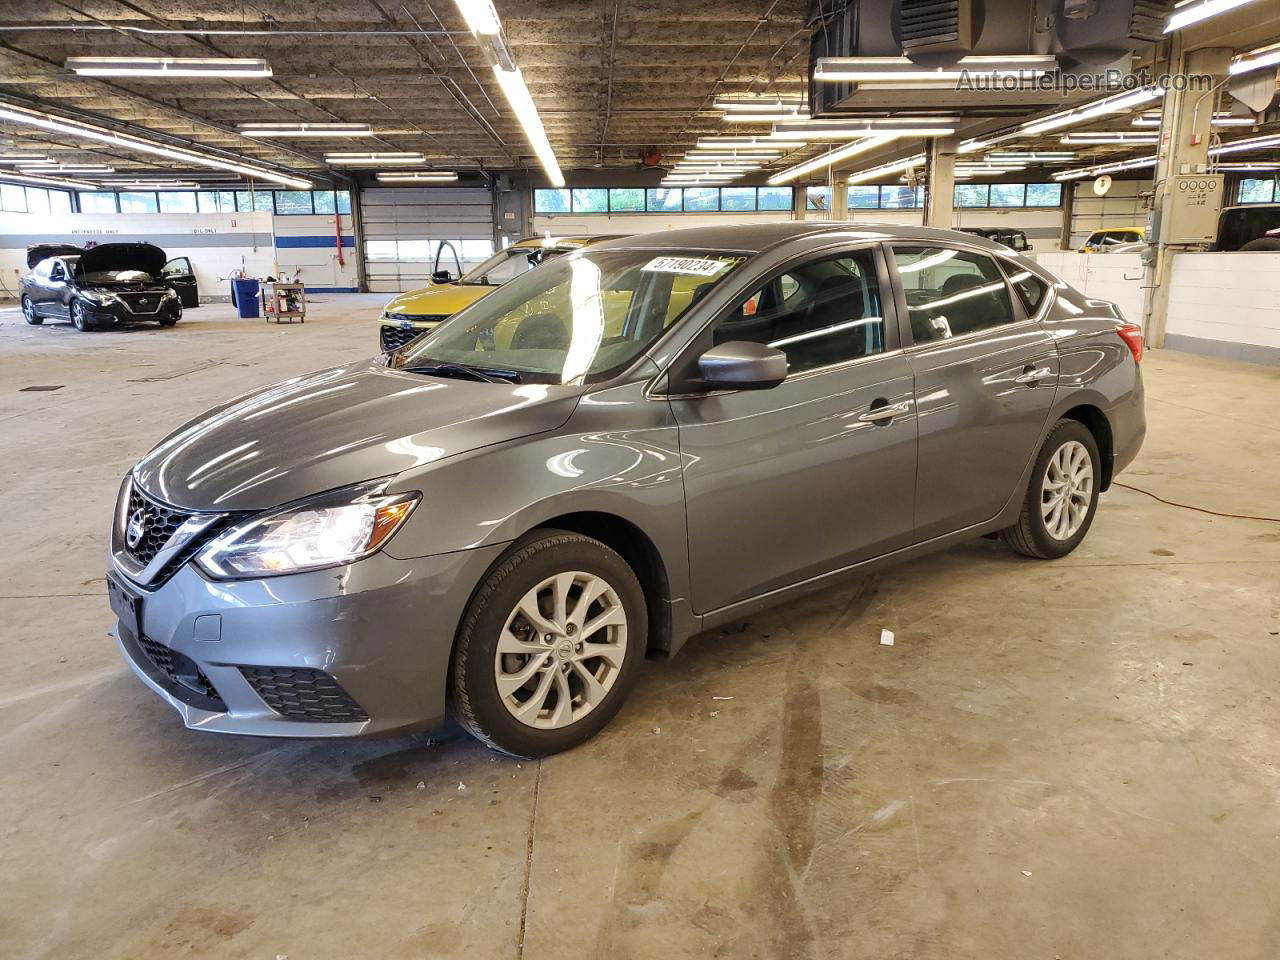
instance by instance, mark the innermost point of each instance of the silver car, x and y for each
(633, 443)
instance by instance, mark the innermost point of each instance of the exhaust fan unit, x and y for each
(1094, 32)
(939, 31)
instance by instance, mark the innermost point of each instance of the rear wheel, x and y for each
(29, 312)
(550, 645)
(80, 317)
(1062, 496)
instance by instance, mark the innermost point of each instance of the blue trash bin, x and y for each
(244, 294)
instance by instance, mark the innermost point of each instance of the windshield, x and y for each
(507, 265)
(579, 319)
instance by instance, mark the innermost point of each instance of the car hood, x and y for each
(337, 427)
(43, 251)
(112, 257)
(442, 300)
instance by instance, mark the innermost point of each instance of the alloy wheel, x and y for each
(1067, 490)
(28, 310)
(561, 650)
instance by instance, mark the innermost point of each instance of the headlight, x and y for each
(171, 294)
(99, 296)
(334, 528)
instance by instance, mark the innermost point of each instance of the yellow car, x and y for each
(413, 313)
(1100, 241)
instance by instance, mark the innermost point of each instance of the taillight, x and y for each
(1131, 334)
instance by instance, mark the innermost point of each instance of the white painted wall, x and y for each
(1227, 304)
(1105, 276)
(217, 243)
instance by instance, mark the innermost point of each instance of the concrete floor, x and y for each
(1056, 760)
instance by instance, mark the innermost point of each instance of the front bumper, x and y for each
(381, 630)
(110, 314)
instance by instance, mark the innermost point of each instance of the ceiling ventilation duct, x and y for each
(1092, 32)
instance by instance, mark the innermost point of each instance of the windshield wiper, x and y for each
(475, 373)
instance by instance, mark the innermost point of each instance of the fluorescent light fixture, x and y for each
(65, 168)
(1106, 137)
(1032, 157)
(306, 129)
(373, 159)
(706, 157)
(750, 104)
(750, 143)
(900, 71)
(1096, 171)
(1220, 119)
(480, 16)
(886, 169)
(1246, 167)
(773, 117)
(417, 176)
(1098, 108)
(517, 93)
(1188, 13)
(126, 141)
(1241, 146)
(981, 143)
(824, 160)
(152, 184)
(852, 129)
(24, 158)
(48, 181)
(168, 67)
(1256, 59)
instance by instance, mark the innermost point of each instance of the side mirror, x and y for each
(442, 276)
(742, 365)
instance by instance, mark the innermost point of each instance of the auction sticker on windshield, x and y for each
(692, 266)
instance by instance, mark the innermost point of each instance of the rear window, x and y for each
(1031, 289)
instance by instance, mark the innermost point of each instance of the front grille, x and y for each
(137, 306)
(161, 523)
(187, 681)
(301, 693)
(393, 338)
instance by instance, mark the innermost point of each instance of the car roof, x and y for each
(758, 237)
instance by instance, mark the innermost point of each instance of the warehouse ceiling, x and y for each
(609, 79)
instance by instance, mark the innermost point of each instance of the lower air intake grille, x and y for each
(301, 693)
(184, 676)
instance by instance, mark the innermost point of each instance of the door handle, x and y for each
(1033, 375)
(887, 412)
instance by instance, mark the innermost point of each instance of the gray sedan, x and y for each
(633, 443)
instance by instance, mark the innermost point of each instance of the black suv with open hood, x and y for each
(106, 285)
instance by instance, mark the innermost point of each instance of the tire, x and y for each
(1057, 534)
(173, 318)
(79, 317)
(533, 568)
(29, 312)
(1262, 243)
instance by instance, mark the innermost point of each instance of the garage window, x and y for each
(259, 201)
(139, 202)
(13, 198)
(864, 198)
(591, 200)
(1044, 194)
(59, 201)
(901, 197)
(1008, 194)
(293, 202)
(1254, 190)
(322, 201)
(177, 202)
(626, 200)
(773, 198)
(216, 201)
(737, 198)
(664, 200)
(971, 195)
(380, 250)
(94, 202)
(551, 201)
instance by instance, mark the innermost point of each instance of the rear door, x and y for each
(817, 473)
(179, 274)
(985, 377)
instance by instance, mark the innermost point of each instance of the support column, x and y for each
(839, 200)
(1068, 213)
(940, 182)
(1185, 126)
(797, 203)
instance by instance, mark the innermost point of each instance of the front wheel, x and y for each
(29, 312)
(550, 646)
(80, 317)
(1062, 496)
(173, 318)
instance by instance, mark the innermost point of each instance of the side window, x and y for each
(818, 313)
(42, 269)
(177, 267)
(951, 292)
(1031, 289)
(56, 272)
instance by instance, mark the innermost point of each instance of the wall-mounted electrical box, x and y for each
(1191, 216)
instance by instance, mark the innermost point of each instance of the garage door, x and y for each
(403, 227)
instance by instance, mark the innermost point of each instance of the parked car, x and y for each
(411, 314)
(508, 514)
(1254, 226)
(1013, 239)
(106, 285)
(1103, 241)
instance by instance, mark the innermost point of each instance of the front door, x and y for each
(818, 472)
(57, 291)
(985, 375)
(179, 275)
